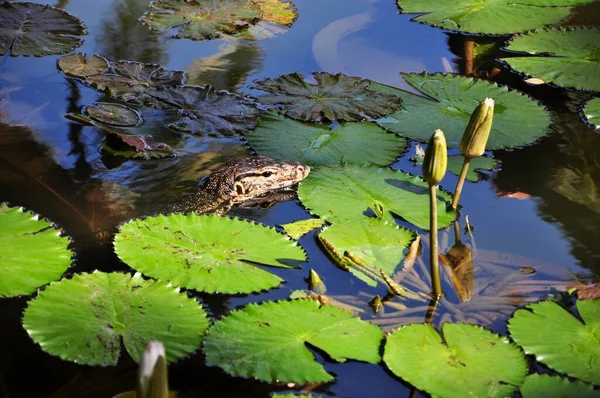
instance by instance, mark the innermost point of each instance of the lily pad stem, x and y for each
(461, 182)
(433, 252)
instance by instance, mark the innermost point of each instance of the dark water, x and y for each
(541, 209)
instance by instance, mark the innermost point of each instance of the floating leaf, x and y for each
(375, 243)
(317, 144)
(77, 65)
(114, 114)
(276, 11)
(591, 111)
(297, 229)
(35, 30)
(468, 361)
(290, 395)
(518, 120)
(560, 340)
(540, 386)
(268, 341)
(207, 253)
(208, 111)
(136, 147)
(347, 193)
(32, 252)
(84, 319)
(491, 16)
(574, 60)
(334, 97)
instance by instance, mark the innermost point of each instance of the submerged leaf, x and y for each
(207, 253)
(32, 252)
(136, 147)
(84, 319)
(317, 144)
(334, 97)
(574, 61)
(468, 361)
(268, 341)
(518, 120)
(35, 30)
(77, 65)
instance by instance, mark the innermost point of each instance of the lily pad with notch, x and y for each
(518, 120)
(207, 253)
(30, 29)
(32, 252)
(496, 17)
(317, 144)
(77, 65)
(466, 360)
(85, 319)
(351, 192)
(567, 57)
(334, 97)
(591, 112)
(268, 341)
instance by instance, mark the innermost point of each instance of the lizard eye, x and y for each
(267, 174)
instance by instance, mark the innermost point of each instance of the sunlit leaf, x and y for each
(276, 11)
(574, 60)
(297, 229)
(77, 65)
(318, 144)
(518, 120)
(352, 192)
(34, 30)
(334, 97)
(32, 252)
(268, 341)
(207, 253)
(560, 340)
(113, 114)
(541, 386)
(591, 112)
(86, 318)
(467, 361)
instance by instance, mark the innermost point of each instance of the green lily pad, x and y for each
(202, 19)
(541, 386)
(35, 30)
(591, 112)
(32, 252)
(574, 60)
(334, 97)
(290, 395)
(114, 114)
(317, 144)
(207, 253)
(376, 244)
(78, 66)
(347, 193)
(518, 120)
(84, 319)
(560, 340)
(467, 361)
(490, 16)
(207, 111)
(297, 229)
(268, 341)
(136, 147)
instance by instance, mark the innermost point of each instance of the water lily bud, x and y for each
(152, 374)
(436, 158)
(477, 132)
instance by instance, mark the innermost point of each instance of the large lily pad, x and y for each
(351, 192)
(591, 112)
(518, 120)
(268, 341)
(467, 361)
(84, 319)
(208, 253)
(334, 97)
(540, 386)
(32, 252)
(204, 19)
(78, 65)
(560, 340)
(574, 60)
(207, 111)
(35, 30)
(490, 16)
(317, 144)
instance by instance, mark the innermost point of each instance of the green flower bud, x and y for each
(477, 132)
(436, 158)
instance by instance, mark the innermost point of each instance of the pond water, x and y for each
(540, 208)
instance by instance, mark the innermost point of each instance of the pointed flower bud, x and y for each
(478, 130)
(436, 158)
